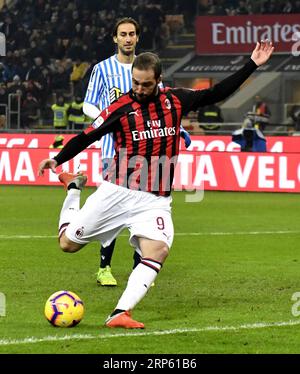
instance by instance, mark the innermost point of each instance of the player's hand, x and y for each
(186, 136)
(262, 52)
(49, 163)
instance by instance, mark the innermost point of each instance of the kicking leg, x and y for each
(73, 184)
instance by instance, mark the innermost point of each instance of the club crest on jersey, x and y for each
(168, 104)
(79, 232)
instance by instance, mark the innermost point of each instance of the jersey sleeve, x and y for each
(107, 122)
(193, 99)
(95, 87)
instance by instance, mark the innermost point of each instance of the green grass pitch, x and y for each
(226, 286)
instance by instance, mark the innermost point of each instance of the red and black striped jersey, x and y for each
(146, 138)
(147, 134)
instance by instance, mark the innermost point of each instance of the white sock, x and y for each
(69, 209)
(138, 283)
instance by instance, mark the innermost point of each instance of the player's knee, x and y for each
(154, 249)
(68, 246)
(65, 247)
(164, 252)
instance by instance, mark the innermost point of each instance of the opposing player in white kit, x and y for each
(109, 80)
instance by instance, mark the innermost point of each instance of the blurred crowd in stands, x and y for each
(240, 7)
(52, 45)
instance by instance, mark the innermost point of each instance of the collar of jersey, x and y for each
(122, 63)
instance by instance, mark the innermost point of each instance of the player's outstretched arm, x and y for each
(48, 163)
(262, 52)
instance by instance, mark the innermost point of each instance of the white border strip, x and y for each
(176, 234)
(55, 338)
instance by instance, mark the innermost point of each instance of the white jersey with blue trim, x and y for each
(109, 80)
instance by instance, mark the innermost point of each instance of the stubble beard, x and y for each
(127, 53)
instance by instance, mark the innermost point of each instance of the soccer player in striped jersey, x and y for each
(146, 127)
(109, 80)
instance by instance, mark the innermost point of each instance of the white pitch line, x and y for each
(55, 338)
(28, 236)
(280, 232)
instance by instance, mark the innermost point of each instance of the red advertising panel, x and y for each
(228, 171)
(285, 144)
(231, 171)
(199, 143)
(238, 34)
(32, 140)
(19, 166)
(212, 163)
